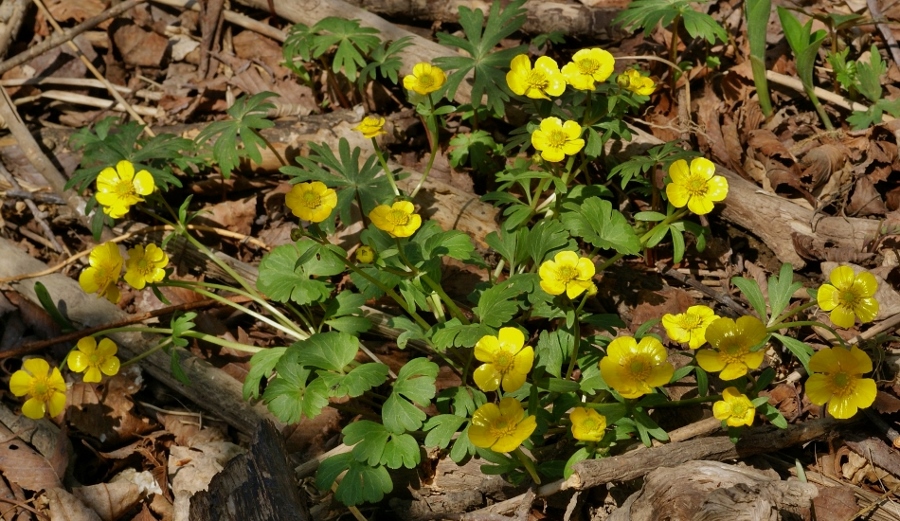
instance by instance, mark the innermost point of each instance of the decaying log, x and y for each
(714, 491)
(572, 18)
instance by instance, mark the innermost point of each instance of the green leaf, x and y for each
(462, 447)
(50, 307)
(368, 440)
(702, 25)
(361, 483)
(248, 117)
(462, 401)
(801, 350)
(402, 450)
(598, 223)
(869, 75)
(475, 148)
(453, 333)
(546, 238)
(290, 396)
(262, 364)
(781, 289)
(580, 455)
(415, 383)
(286, 273)
(753, 294)
(775, 417)
(386, 60)
(330, 351)
(181, 324)
(441, 429)
(362, 378)
(757, 12)
(511, 245)
(498, 304)
(552, 350)
(352, 41)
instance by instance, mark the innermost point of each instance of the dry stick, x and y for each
(87, 63)
(60, 38)
(38, 215)
(90, 101)
(885, 30)
(230, 16)
(11, 15)
(37, 158)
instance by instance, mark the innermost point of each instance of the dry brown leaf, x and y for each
(839, 502)
(109, 500)
(139, 46)
(69, 10)
(24, 466)
(708, 119)
(886, 403)
(191, 469)
(106, 411)
(865, 200)
(820, 162)
(235, 216)
(766, 143)
(66, 507)
(785, 180)
(187, 430)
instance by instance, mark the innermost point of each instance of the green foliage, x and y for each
(758, 12)
(262, 365)
(498, 304)
(384, 62)
(867, 81)
(805, 45)
(343, 313)
(441, 429)
(646, 14)
(346, 41)
(65, 325)
(486, 64)
(476, 148)
(414, 386)
(361, 483)
(781, 289)
(750, 289)
(661, 156)
(288, 272)
(598, 223)
(248, 117)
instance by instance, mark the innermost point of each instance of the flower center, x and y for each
(311, 200)
(503, 428)
(589, 424)
(843, 384)
(503, 361)
(732, 350)
(41, 389)
(125, 190)
(697, 186)
(565, 274)
(398, 217)
(557, 138)
(426, 80)
(689, 321)
(537, 80)
(639, 366)
(588, 66)
(738, 408)
(849, 298)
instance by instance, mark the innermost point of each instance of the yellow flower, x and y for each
(555, 140)
(732, 341)
(837, 379)
(398, 219)
(567, 273)
(588, 66)
(371, 126)
(735, 409)
(45, 388)
(92, 359)
(634, 369)
(633, 81)
(689, 327)
(119, 188)
(425, 78)
(311, 202)
(849, 297)
(587, 424)
(506, 361)
(365, 255)
(543, 81)
(103, 273)
(698, 187)
(503, 428)
(145, 265)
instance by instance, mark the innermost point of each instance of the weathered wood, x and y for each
(257, 486)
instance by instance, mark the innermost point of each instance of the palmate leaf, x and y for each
(415, 383)
(487, 66)
(361, 484)
(384, 61)
(286, 273)
(499, 303)
(352, 40)
(598, 223)
(353, 183)
(291, 395)
(248, 117)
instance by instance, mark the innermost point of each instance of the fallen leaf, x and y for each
(106, 411)
(865, 200)
(838, 502)
(109, 500)
(191, 469)
(765, 142)
(67, 10)
(820, 162)
(24, 466)
(138, 46)
(66, 507)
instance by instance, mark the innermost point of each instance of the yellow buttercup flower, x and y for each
(732, 341)
(541, 82)
(587, 424)
(371, 126)
(45, 388)
(365, 255)
(92, 359)
(507, 362)
(849, 297)
(555, 140)
(689, 327)
(633, 81)
(501, 428)
(633, 369)
(119, 188)
(837, 379)
(735, 409)
(567, 273)
(145, 265)
(399, 219)
(311, 202)
(425, 79)
(588, 66)
(698, 187)
(103, 273)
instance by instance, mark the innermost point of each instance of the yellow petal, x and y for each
(522, 432)
(511, 338)
(516, 82)
(539, 140)
(143, 183)
(827, 297)
(842, 277)
(679, 172)
(572, 130)
(733, 371)
(486, 348)
(511, 409)
(703, 167)
(866, 309)
(57, 404)
(717, 188)
(862, 362)
(487, 378)
(865, 284)
(710, 360)
(843, 317)
(755, 359)
(92, 375)
(33, 408)
(572, 146)
(512, 381)
(524, 360)
(842, 407)
(404, 206)
(677, 194)
(110, 366)
(125, 170)
(660, 375)
(77, 361)
(722, 410)
(36, 366)
(553, 287)
(575, 288)
(699, 205)
(20, 383)
(865, 393)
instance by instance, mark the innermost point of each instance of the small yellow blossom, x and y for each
(698, 187)
(145, 265)
(119, 188)
(311, 202)
(103, 273)
(45, 388)
(732, 341)
(503, 428)
(633, 369)
(543, 81)
(735, 409)
(587, 67)
(93, 359)
(507, 362)
(567, 273)
(587, 424)
(555, 140)
(365, 255)
(837, 379)
(371, 126)
(633, 80)
(425, 78)
(399, 219)
(689, 327)
(849, 297)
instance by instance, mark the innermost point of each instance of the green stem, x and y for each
(145, 354)
(529, 465)
(387, 170)
(576, 337)
(451, 305)
(689, 401)
(432, 126)
(190, 334)
(644, 238)
(790, 312)
(673, 49)
(810, 323)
